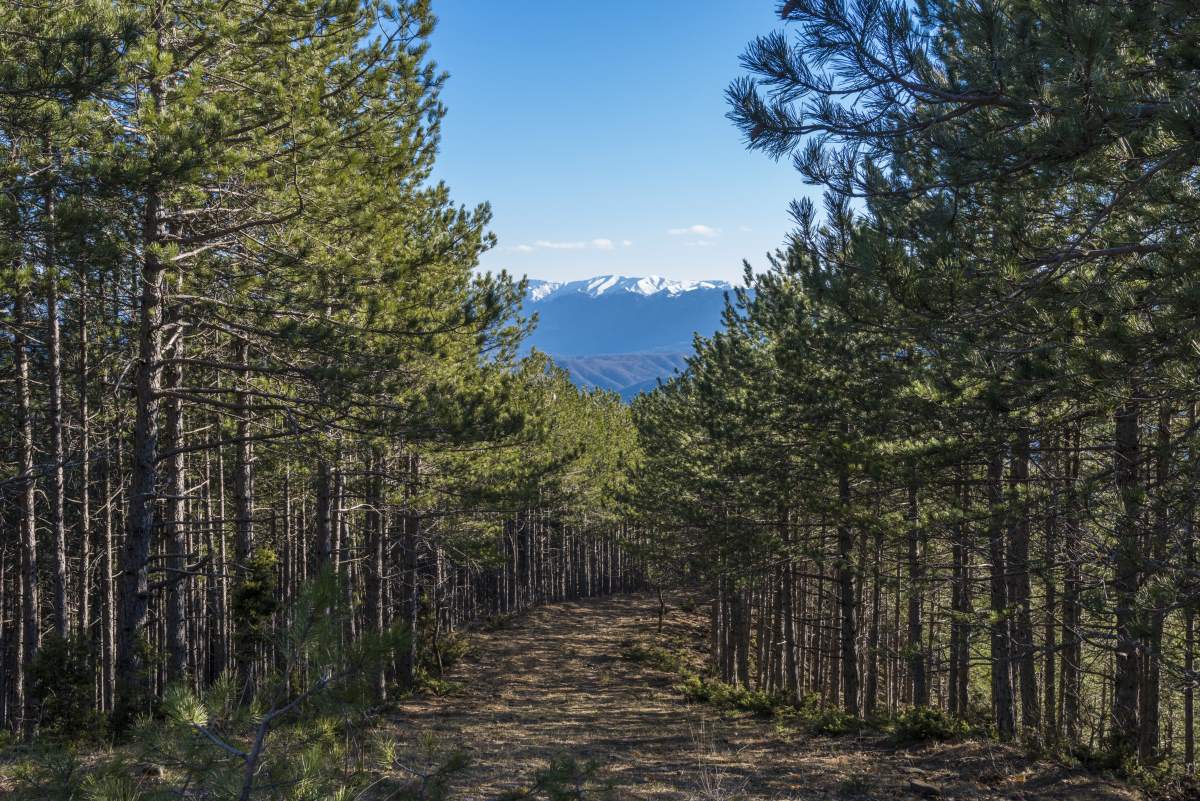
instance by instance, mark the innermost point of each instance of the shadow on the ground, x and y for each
(553, 681)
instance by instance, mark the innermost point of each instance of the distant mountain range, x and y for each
(623, 333)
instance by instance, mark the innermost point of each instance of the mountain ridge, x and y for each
(540, 291)
(623, 333)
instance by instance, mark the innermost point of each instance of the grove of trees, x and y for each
(942, 453)
(245, 346)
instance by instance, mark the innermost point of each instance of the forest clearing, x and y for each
(559, 680)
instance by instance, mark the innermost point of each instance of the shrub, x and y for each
(61, 678)
(833, 722)
(922, 724)
(1174, 785)
(718, 693)
(654, 657)
(453, 649)
(566, 779)
(426, 682)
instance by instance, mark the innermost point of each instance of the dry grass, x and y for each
(554, 681)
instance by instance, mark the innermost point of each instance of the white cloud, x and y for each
(599, 243)
(626, 243)
(705, 231)
(699, 243)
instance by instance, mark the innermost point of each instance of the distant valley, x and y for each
(623, 333)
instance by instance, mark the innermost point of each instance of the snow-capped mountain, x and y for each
(623, 332)
(540, 291)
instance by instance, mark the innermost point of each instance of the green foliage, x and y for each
(654, 656)
(107, 785)
(255, 598)
(453, 649)
(710, 691)
(50, 772)
(831, 721)
(426, 682)
(497, 622)
(61, 678)
(922, 724)
(565, 779)
(1163, 782)
(430, 770)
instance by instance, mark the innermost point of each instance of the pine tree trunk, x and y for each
(108, 593)
(1189, 622)
(58, 526)
(1019, 584)
(1049, 667)
(956, 603)
(1071, 636)
(872, 689)
(30, 634)
(375, 566)
(132, 681)
(1151, 689)
(85, 468)
(243, 510)
(847, 600)
(966, 607)
(791, 666)
(1002, 694)
(412, 525)
(175, 486)
(1126, 722)
(916, 579)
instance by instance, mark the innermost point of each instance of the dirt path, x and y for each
(555, 681)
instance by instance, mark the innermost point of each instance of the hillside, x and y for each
(623, 333)
(624, 373)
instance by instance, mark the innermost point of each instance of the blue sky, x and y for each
(597, 131)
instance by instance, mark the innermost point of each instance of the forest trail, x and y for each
(555, 681)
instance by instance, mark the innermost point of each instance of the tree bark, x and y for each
(243, 510)
(132, 681)
(1072, 643)
(85, 466)
(1002, 694)
(30, 634)
(847, 599)
(375, 565)
(1125, 731)
(1019, 584)
(916, 579)
(58, 527)
(175, 486)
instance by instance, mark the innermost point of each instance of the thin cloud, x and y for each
(699, 243)
(600, 243)
(705, 231)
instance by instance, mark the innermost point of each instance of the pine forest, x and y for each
(290, 508)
